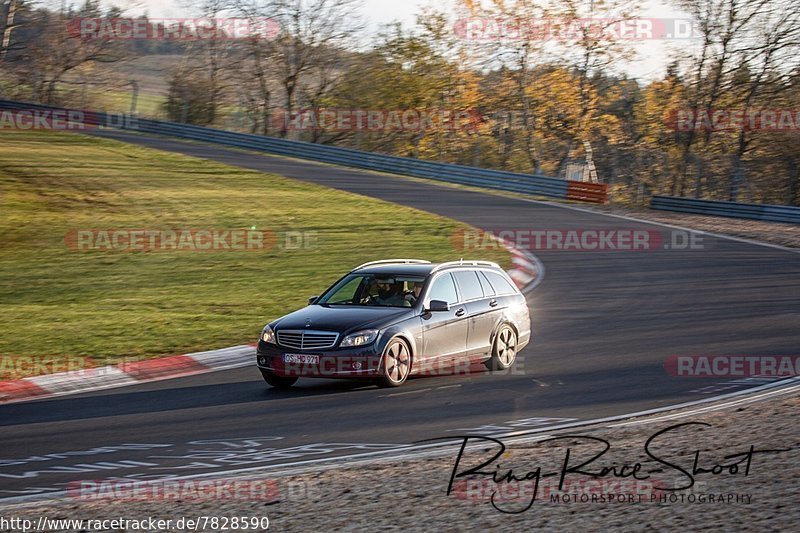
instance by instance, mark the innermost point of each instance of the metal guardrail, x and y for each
(771, 213)
(458, 174)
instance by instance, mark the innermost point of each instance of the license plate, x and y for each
(301, 359)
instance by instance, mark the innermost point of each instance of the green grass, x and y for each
(147, 105)
(110, 305)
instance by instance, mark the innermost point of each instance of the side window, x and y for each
(500, 284)
(485, 285)
(444, 289)
(468, 284)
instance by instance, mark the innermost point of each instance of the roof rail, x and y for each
(451, 264)
(394, 261)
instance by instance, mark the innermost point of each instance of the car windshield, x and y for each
(383, 290)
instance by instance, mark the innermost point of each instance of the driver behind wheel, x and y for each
(389, 294)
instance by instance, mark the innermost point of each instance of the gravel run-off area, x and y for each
(411, 493)
(782, 234)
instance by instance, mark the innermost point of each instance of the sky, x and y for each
(649, 62)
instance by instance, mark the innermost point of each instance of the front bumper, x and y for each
(350, 363)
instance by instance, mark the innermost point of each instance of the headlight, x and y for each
(267, 335)
(360, 338)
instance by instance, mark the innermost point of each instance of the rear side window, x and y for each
(487, 288)
(500, 283)
(443, 289)
(469, 284)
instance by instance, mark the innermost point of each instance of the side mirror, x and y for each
(312, 299)
(438, 305)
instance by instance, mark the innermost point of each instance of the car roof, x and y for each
(398, 268)
(423, 269)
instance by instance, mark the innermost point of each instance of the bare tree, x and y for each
(775, 48)
(726, 30)
(51, 52)
(309, 30)
(255, 75)
(207, 61)
(255, 89)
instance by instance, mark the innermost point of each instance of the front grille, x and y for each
(307, 340)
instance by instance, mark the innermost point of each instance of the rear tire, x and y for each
(279, 382)
(396, 364)
(504, 349)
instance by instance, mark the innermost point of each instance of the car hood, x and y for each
(343, 319)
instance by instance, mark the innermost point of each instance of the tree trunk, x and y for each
(290, 87)
(8, 27)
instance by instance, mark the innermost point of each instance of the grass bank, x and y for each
(108, 304)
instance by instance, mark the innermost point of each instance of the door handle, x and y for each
(493, 303)
(460, 312)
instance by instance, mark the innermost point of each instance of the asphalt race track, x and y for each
(604, 325)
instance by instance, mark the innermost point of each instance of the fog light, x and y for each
(262, 360)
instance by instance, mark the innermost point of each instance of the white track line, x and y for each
(663, 224)
(788, 384)
(711, 408)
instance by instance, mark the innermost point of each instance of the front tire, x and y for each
(279, 382)
(396, 364)
(504, 349)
